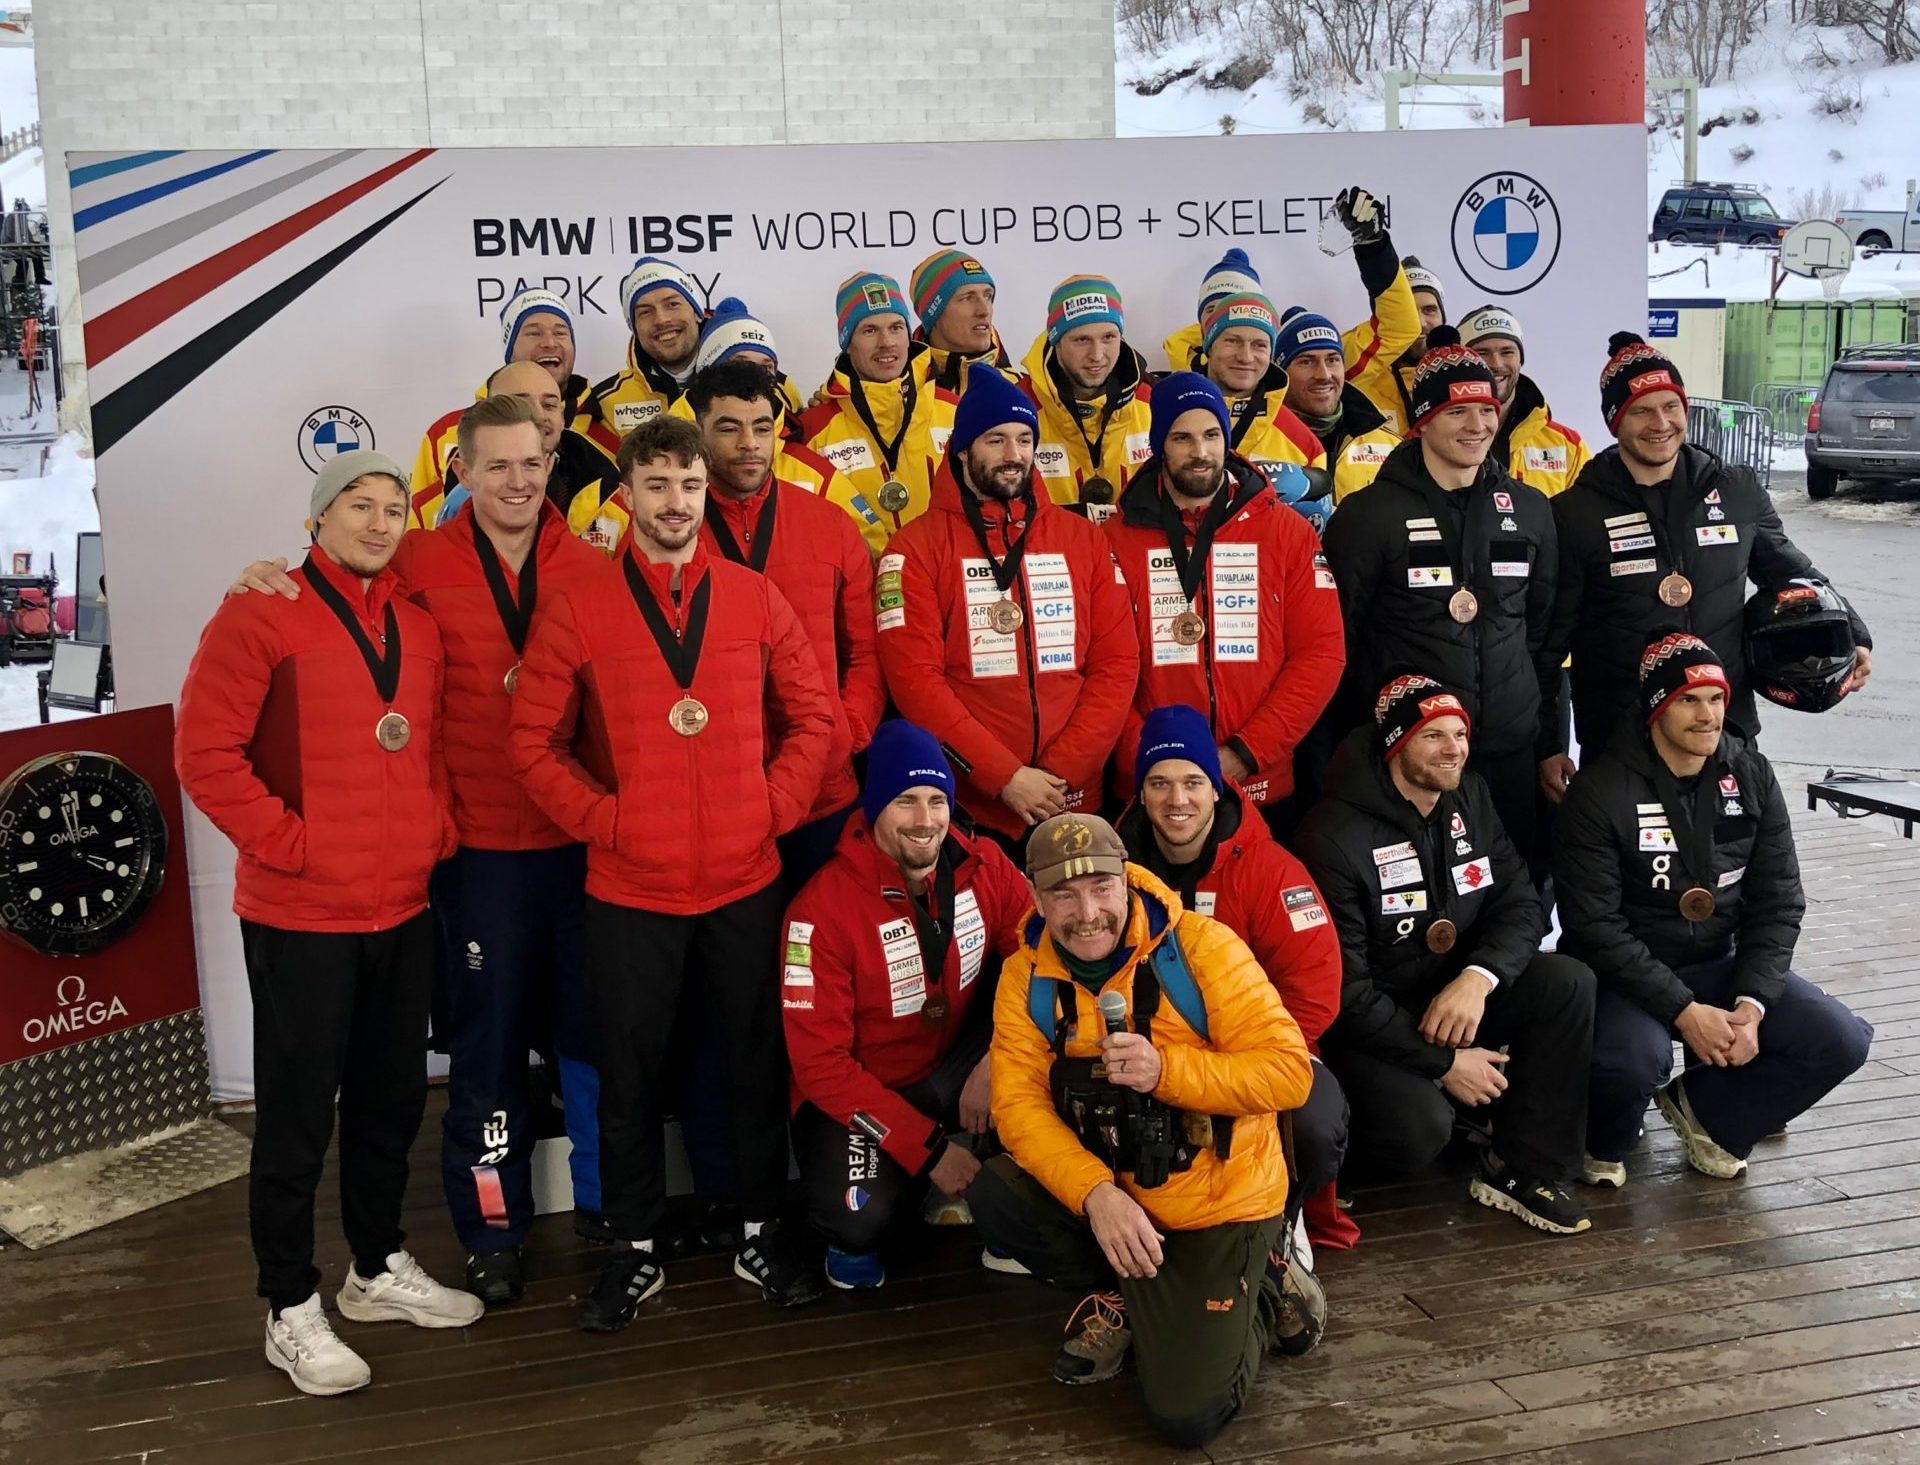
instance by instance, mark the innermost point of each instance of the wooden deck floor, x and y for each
(1777, 1316)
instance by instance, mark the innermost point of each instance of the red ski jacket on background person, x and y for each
(816, 557)
(440, 571)
(275, 744)
(1272, 649)
(1053, 693)
(674, 824)
(851, 998)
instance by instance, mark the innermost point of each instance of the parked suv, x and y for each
(1866, 421)
(1717, 213)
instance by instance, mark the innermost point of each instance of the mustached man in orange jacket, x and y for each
(671, 715)
(310, 735)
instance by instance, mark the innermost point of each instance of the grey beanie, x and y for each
(332, 480)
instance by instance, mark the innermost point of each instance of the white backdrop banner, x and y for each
(250, 313)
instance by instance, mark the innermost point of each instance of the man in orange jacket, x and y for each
(1005, 628)
(1149, 1154)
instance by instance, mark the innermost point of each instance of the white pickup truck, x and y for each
(1885, 228)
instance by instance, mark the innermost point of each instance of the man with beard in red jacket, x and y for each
(1191, 826)
(1234, 605)
(671, 715)
(1005, 627)
(309, 734)
(892, 953)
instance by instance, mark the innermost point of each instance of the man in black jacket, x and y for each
(1445, 994)
(1673, 858)
(1656, 533)
(1447, 563)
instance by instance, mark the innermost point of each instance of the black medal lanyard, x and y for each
(680, 652)
(1666, 521)
(1456, 543)
(385, 669)
(933, 929)
(1097, 442)
(1189, 565)
(889, 451)
(762, 543)
(1692, 824)
(515, 614)
(1006, 571)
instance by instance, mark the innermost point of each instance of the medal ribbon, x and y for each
(681, 653)
(1692, 823)
(1478, 504)
(1007, 570)
(856, 393)
(934, 929)
(1666, 516)
(384, 669)
(515, 615)
(1173, 525)
(762, 533)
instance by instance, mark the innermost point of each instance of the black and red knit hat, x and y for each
(1448, 375)
(1634, 369)
(1677, 662)
(1408, 703)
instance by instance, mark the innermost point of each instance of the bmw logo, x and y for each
(330, 431)
(1506, 233)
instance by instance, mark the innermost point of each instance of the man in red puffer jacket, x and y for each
(1198, 833)
(1005, 627)
(892, 953)
(309, 733)
(672, 715)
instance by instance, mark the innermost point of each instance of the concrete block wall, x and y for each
(127, 74)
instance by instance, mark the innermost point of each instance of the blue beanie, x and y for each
(1178, 393)
(731, 329)
(1175, 731)
(514, 314)
(902, 756)
(991, 401)
(1302, 331)
(650, 272)
(1233, 275)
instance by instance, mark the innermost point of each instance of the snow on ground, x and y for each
(47, 505)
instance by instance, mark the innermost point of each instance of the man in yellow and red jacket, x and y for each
(1091, 389)
(1530, 444)
(873, 418)
(1139, 1058)
(1234, 606)
(892, 953)
(663, 307)
(671, 715)
(310, 734)
(1004, 624)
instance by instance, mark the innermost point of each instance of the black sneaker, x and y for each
(592, 1226)
(774, 1264)
(1541, 1203)
(716, 1227)
(1303, 1303)
(496, 1277)
(628, 1279)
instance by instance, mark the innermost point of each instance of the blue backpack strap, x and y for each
(1177, 983)
(1049, 1001)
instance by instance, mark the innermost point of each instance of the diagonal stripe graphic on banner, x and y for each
(132, 319)
(92, 172)
(116, 259)
(126, 407)
(99, 213)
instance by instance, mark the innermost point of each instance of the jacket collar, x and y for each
(370, 601)
(946, 492)
(1153, 911)
(1140, 503)
(876, 872)
(1358, 776)
(1527, 400)
(1232, 833)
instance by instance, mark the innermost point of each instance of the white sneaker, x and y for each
(1001, 1262)
(404, 1293)
(1603, 1172)
(1702, 1153)
(1302, 1246)
(302, 1345)
(946, 1210)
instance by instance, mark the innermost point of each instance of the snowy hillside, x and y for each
(1812, 115)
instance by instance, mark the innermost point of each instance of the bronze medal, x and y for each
(934, 1012)
(1188, 628)
(1005, 615)
(1096, 490)
(893, 495)
(1463, 606)
(1441, 935)
(1676, 590)
(512, 679)
(392, 732)
(688, 717)
(1697, 904)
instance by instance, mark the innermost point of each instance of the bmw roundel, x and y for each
(330, 431)
(1506, 233)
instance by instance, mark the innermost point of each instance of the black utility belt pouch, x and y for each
(1130, 1133)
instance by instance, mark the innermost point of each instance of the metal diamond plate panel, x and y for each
(105, 1091)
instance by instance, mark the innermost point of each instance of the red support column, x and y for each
(1573, 61)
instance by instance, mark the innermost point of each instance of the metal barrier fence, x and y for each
(1785, 405)
(1737, 432)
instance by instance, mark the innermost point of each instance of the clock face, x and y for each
(82, 851)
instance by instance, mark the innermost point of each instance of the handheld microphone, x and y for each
(1113, 1008)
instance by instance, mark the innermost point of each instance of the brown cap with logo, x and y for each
(1068, 845)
